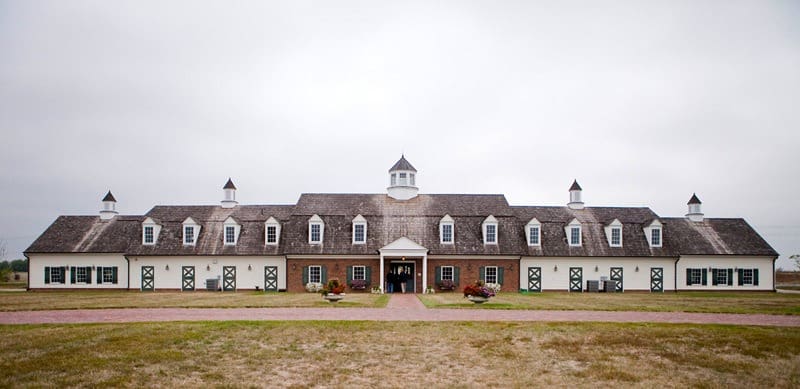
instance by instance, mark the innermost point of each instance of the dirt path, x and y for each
(400, 308)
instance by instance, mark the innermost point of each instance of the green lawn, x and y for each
(398, 354)
(717, 302)
(27, 301)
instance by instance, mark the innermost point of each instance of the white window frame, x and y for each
(654, 228)
(486, 275)
(360, 269)
(155, 229)
(745, 276)
(574, 224)
(530, 235)
(56, 270)
(230, 235)
(448, 269)
(273, 239)
(318, 275)
(148, 235)
(393, 180)
(316, 221)
(80, 275)
(189, 239)
(721, 274)
(655, 237)
(616, 232)
(411, 179)
(190, 223)
(402, 179)
(696, 274)
(447, 221)
(108, 275)
(272, 223)
(359, 221)
(226, 226)
(490, 223)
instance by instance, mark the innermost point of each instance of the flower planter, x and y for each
(333, 298)
(477, 299)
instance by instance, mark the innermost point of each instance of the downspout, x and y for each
(773, 274)
(29, 272)
(675, 275)
(128, 285)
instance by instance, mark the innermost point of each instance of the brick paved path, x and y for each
(400, 308)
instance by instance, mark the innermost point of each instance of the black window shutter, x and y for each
(482, 273)
(324, 274)
(714, 276)
(500, 275)
(114, 274)
(63, 274)
(688, 277)
(741, 277)
(755, 277)
(455, 275)
(730, 277)
(368, 274)
(88, 274)
(99, 275)
(705, 277)
(349, 274)
(47, 274)
(437, 271)
(305, 275)
(72, 275)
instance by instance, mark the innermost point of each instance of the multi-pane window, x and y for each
(696, 276)
(722, 277)
(358, 233)
(447, 273)
(491, 274)
(80, 274)
(316, 233)
(272, 234)
(315, 274)
(402, 179)
(148, 235)
(230, 234)
(108, 275)
(394, 179)
(534, 236)
(56, 275)
(359, 273)
(188, 235)
(747, 276)
(447, 233)
(411, 177)
(655, 237)
(616, 236)
(491, 233)
(575, 236)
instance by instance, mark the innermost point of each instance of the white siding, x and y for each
(39, 261)
(766, 280)
(206, 268)
(631, 278)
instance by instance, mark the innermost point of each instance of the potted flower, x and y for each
(333, 291)
(358, 284)
(478, 293)
(447, 285)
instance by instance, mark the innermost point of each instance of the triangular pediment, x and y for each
(404, 244)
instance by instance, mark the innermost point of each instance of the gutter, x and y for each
(128, 284)
(675, 275)
(773, 274)
(29, 272)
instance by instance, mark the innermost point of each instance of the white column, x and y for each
(383, 287)
(424, 272)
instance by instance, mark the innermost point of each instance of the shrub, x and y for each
(314, 287)
(478, 289)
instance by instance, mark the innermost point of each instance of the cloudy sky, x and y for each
(643, 102)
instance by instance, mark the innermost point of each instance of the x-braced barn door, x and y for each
(616, 275)
(228, 278)
(187, 275)
(534, 279)
(576, 279)
(148, 277)
(271, 278)
(656, 279)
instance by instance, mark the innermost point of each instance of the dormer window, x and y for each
(614, 233)
(446, 230)
(272, 231)
(573, 231)
(150, 231)
(231, 231)
(316, 230)
(359, 230)
(394, 179)
(191, 230)
(653, 234)
(490, 230)
(533, 232)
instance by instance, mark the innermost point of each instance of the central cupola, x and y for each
(402, 180)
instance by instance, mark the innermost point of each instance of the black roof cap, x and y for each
(109, 197)
(402, 164)
(229, 184)
(694, 199)
(575, 186)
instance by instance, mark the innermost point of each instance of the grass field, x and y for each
(716, 302)
(27, 301)
(398, 354)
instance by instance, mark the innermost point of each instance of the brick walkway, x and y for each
(400, 308)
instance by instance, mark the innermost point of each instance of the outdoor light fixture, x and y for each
(555, 268)
(510, 267)
(637, 267)
(595, 268)
(208, 267)
(249, 267)
(166, 267)
(294, 266)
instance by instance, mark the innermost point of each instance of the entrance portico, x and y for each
(402, 249)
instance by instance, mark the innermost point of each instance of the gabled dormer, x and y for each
(490, 231)
(653, 232)
(359, 230)
(533, 232)
(150, 231)
(447, 230)
(614, 233)
(272, 231)
(191, 232)
(230, 231)
(574, 233)
(316, 230)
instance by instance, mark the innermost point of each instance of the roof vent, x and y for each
(402, 180)
(575, 201)
(695, 213)
(230, 195)
(109, 207)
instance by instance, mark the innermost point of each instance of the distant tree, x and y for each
(796, 259)
(5, 265)
(19, 265)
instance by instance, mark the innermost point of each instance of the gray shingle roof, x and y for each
(402, 164)
(694, 199)
(575, 186)
(715, 236)
(229, 184)
(109, 197)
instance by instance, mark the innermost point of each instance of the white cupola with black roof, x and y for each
(695, 213)
(230, 195)
(402, 180)
(109, 207)
(575, 201)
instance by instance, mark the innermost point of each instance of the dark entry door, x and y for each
(408, 270)
(534, 279)
(616, 275)
(656, 279)
(187, 273)
(148, 278)
(229, 278)
(576, 279)
(271, 278)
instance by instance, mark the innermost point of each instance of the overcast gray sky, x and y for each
(643, 102)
